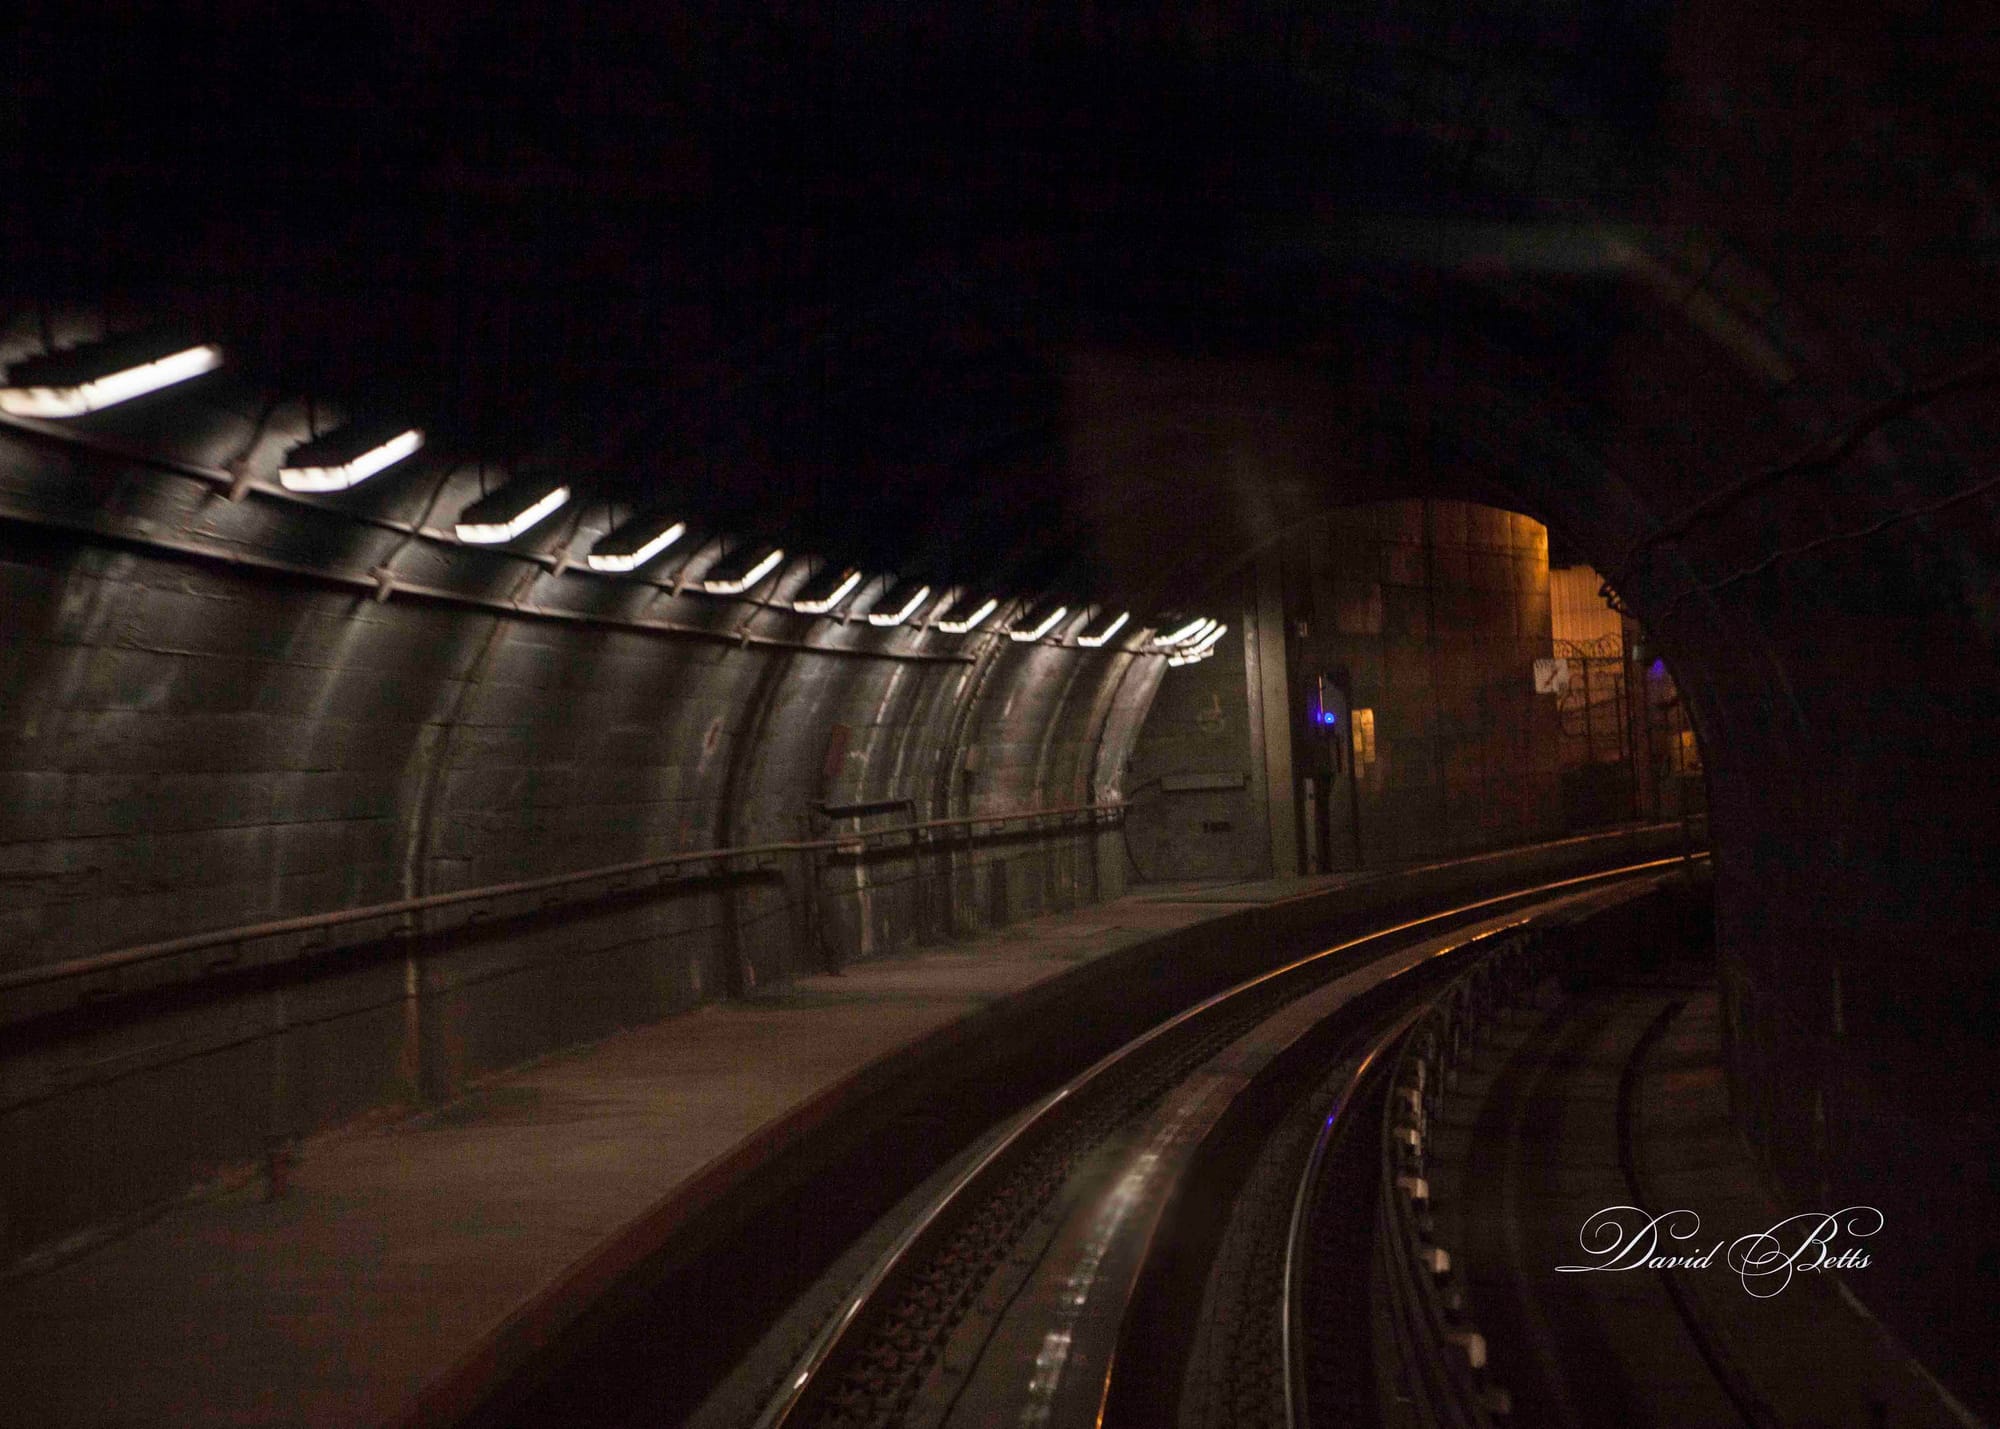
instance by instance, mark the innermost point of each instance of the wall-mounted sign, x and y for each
(1551, 676)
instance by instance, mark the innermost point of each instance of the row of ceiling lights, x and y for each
(78, 381)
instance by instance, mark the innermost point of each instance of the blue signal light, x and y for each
(1317, 711)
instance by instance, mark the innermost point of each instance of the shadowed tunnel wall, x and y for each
(1435, 611)
(189, 745)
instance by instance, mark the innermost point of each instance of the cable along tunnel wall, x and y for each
(188, 743)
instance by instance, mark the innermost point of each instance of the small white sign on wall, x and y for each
(1551, 676)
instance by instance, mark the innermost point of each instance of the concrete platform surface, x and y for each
(403, 1252)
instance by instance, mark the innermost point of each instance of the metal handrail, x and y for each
(340, 917)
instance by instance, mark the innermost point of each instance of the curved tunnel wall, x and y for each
(1834, 634)
(190, 744)
(1785, 471)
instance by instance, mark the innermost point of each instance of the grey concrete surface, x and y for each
(398, 1248)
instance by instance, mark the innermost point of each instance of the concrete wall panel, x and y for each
(184, 747)
(1439, 634)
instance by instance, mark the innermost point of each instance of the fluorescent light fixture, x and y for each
(514, 516)
(1193, 636)
(107, 389)
(821, 604)
(1207, 642)
(1193, 630)
(971, 622)
(902, 612)
(616, 554)
(1055, 617)
(1200, 650)
(306, 470)
(1092, 642)
(737, 584)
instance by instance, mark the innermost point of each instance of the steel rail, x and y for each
(852, 843)
(1350, 1005)
(1741, 1391)
(1442, 1355)
(824, 1345)
(1291, 1309)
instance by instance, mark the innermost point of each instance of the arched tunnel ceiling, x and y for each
(1092, 303)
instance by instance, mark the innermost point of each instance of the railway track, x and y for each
(1050, 1281)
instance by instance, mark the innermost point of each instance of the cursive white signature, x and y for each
(1628, 1238)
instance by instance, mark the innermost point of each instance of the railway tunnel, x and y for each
(538, 549)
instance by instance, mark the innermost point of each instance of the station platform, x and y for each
(407, 1264)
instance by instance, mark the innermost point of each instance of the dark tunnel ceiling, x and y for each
(848, 283)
